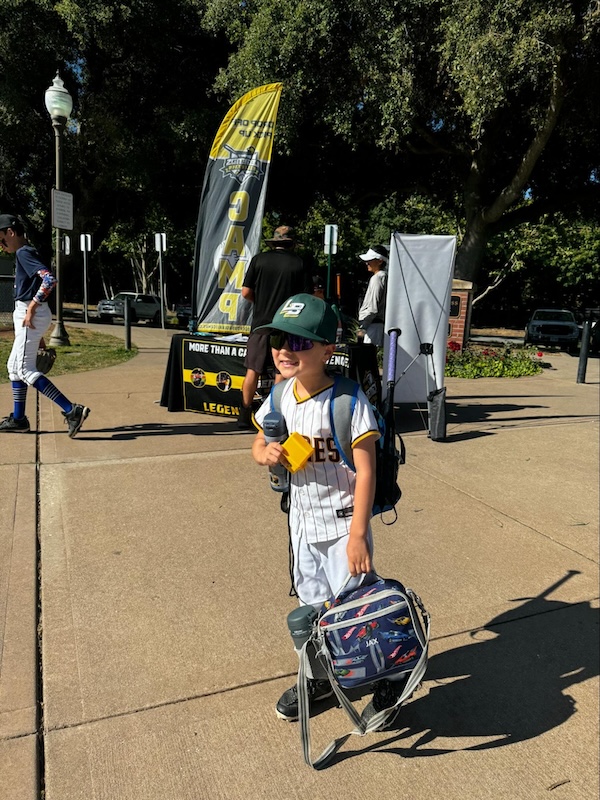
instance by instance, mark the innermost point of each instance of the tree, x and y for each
(145, 113)
(553, 263)
(33, 40)
(487, 107)
(143, 116)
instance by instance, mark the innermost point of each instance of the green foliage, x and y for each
(142, 121)
(504, 362)
(492, 52)
(338, 211)
(415, 214)
(487, 98)
(555, 263)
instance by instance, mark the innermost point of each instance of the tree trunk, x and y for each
(471, 250)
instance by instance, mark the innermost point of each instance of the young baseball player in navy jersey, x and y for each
(330, 505)
(33, 284)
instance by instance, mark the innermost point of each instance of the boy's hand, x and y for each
(273, 454)
(359, 558)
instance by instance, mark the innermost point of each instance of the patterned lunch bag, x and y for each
(372, 632)
(378, 630)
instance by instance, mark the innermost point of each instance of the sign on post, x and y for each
(160, 242)
(331, 237)
(62, 210)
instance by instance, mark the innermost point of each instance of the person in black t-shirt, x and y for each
(271, 278)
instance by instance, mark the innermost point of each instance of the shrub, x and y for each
(504, 362)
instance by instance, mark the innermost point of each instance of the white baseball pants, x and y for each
(22, 358)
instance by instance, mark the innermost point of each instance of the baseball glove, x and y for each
(45, 360)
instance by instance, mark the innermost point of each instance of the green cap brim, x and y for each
(289, 327)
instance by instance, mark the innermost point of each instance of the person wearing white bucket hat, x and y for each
(371, 314)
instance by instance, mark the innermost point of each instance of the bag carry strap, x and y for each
(304, 710)
(378, 719)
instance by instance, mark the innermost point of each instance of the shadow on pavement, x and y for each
(509, 685)
(411, 419)
(128, 432)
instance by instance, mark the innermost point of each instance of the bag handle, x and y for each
(350, 577)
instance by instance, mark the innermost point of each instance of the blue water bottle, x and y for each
(275, 430)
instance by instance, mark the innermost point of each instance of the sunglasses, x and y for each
(295, 343)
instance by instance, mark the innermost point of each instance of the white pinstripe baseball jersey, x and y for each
(321, 494)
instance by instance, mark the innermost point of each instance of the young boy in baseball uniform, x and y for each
(330, 505)
(33, 284)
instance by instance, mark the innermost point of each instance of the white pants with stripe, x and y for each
(320, 568)
(22, 358)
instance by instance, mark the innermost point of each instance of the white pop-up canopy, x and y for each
(419, 285)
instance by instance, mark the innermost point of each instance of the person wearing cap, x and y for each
(33, 284)
(318, 287)
(371, 315)
(329, 504)
(271, 278)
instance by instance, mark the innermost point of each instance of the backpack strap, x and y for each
(343, 403)
(276, 395)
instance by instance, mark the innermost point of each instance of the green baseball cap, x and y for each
(305, 315)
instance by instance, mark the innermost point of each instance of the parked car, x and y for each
(143, 306)
(553, 326)
(183, 312)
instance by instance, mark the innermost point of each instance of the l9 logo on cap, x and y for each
(292, 309)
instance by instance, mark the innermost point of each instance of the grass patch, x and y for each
(88, 350)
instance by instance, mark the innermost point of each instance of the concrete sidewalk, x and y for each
(164, 592)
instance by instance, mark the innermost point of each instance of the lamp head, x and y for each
(59, 102)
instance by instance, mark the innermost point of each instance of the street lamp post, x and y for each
(59, 104)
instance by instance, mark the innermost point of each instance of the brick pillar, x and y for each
(461, 301)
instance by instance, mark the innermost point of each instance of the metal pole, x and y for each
(59, 334)
(162, 288)
(85, 288)
(127, 322)
(584, 350)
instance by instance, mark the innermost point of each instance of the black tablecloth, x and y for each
(205, 373)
